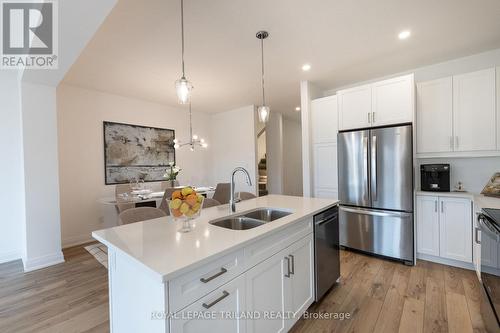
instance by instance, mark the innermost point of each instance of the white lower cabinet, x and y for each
(217, 312)
(281, 288)
(444, 227)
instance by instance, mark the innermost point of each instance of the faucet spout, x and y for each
(232, 200)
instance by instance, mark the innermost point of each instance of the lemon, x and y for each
(196, 207)
(176, 203)
(186, 191)
(184, 208)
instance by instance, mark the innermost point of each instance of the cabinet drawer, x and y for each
(193, 285)
(267, 247)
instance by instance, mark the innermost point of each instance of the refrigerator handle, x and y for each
(365, 161)
(374, 168)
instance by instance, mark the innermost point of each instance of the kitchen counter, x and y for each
(454, 194)
(482, 201)
(166, 253)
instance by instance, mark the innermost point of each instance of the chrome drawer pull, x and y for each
(206, 280)
(476, 229)
(293, 264)
(288, 267)
(224, 295)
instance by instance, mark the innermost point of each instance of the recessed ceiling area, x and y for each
(137, 50)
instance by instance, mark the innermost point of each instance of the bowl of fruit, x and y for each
(185, 205)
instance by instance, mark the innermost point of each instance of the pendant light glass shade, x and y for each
(183, 88)
(263, 112)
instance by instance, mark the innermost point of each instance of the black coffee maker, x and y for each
(435, 177)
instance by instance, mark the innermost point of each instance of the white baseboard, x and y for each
(43, 261)
(444, 261)
(77, 240)
(10, 256)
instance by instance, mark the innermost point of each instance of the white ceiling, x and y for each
(136, 52)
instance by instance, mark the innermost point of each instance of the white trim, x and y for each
(77, 240)
(459, 154)
(43, 261)
(444, 261)
(9, 256)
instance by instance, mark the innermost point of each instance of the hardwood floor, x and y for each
(379, 295)
(384, 296)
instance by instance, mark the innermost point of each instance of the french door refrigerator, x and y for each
(376, 191)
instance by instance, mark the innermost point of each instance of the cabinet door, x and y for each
(474, 114)
(324, 119)
(299, 291)
(265, 294)
(393, 101)
(325, 167)
(455, 234)
(205, 315)
(355, 107)
(435, 116)
(427, 225)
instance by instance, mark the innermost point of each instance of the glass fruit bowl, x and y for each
(185, 205)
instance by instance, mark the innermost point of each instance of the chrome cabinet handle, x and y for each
(476, 238)
(293, 264)
(206, 280)
(373, 117)
(369, 121)
(288, 267)
(435, 206)
(442, 207)
(456, 141)
(209, 305)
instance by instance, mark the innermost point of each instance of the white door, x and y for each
(265, 294)
(393, 101)
(324, 119)
(427, 225)
(455, 221)
(355, 107)
(474, 114)
(212, 313)
(299, 290)
(435, 116)
(325, 168)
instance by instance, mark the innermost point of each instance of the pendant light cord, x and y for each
(190, 125)
(182, 35)
(262, 58)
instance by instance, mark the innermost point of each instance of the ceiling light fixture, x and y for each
(306, 67)
(183, 86)
(194, 140)
(404, 34)
(297, 108)
(263, 110)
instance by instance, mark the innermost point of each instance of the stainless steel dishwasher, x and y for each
(326, 251)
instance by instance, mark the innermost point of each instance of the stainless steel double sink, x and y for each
(250, 219)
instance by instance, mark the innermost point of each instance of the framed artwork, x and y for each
(492, 189)
(136, 152)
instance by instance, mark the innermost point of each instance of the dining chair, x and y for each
(139, 214)
(166, 196)
(222, 193)
(245, 195)
(208, 202)
(121, 203)
(168, 184)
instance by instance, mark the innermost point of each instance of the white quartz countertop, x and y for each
(468, 195)
(166, 253)
(482, 201)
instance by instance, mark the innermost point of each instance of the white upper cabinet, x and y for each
(355, 107)
(393, 101)
(435, 116)
(381, 103)
(324, 119)
(474, 116)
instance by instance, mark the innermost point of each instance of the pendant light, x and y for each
(263, 110)
(182, 86)
(194, 139)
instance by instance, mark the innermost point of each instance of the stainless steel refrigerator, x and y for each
(376, 191)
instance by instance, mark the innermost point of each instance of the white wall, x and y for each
(292, 157)
(41, 176)
(11, 169)
(234, 144)
(81, 114)
(274, 149)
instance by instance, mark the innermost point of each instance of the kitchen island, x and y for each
(214, 279)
